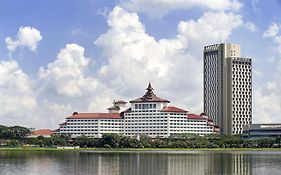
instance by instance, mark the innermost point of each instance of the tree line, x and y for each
(17, 136)
(185, 140)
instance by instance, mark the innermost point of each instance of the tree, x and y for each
(265, 143)
(228, 141)
(13, 143)
(19, 132)
(82, 141)
(111, 140)
(60, 140)
(96, 143)
(145, 141)
(14, 132)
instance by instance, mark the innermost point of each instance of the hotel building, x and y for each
(148, 115)
(227, 87)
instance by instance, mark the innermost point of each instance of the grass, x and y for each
(139, 149)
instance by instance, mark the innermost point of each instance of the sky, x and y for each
(61, 56)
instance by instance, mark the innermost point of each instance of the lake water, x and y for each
(140, 163)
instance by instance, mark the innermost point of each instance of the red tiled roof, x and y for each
(173, 109)
(195, 116)
(95, 116)
(42, 132)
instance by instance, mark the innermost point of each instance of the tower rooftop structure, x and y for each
(149, 96)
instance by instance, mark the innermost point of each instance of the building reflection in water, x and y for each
(167, 163)
(141, 163)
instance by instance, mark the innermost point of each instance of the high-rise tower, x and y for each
(227, 87)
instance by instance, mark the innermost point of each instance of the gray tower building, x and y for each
(227, 87)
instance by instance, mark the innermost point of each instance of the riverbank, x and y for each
(137, 149)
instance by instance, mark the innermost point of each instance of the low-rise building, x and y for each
(257, 131)
(41, 132)
(148, 115)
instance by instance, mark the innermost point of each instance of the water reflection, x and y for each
(169, 163)
(140, 163)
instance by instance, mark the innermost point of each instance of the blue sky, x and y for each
(72, 55)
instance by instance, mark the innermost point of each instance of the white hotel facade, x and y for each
(148, 115)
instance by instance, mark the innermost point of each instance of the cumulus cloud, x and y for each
(273, 33)
(132, 58)
(26, 37)
(267, 97)
(66, 75)
(162, 7)
(206, 30)
(16, 94)
(172, 64)
(267, 103)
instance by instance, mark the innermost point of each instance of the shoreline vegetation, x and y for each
(18, 138)
(162, 150)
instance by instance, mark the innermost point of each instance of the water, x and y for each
(140, 163)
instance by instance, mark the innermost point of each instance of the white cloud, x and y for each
(206, 30)
(16, 94)
(251, 26)
(76, 31)
(174, 66)
(66, 75)
(132, 59)
(257, 73)
(162, 7)
(26, 37)
(267, 97)
(104, 11)
(53, 114)
(267, 105)
(255, 5)
(273, 33)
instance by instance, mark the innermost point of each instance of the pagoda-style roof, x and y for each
(149, 96)
(114, 108)
(119, 102)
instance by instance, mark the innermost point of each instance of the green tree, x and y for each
(145, 141)
(14, 132)
(13, 143)
(265, 143)
(111, 139)
(19, 132)
(82, 141)
(230, 141)
(60, 140)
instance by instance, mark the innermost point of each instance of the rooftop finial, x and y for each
(149, 88)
